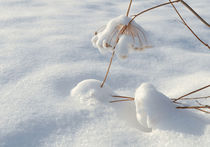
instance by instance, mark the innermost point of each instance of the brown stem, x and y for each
(126, 97)
(152, 8)
(107, 72)
(191, 93)
(113, 53)
(203, 110)
(188, 26)
(194, 98)
(196, 14)
(193, 107)
(129, 7)
(120, 100)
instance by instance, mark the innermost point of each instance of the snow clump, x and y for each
(120, 35)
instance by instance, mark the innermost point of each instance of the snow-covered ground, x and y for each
(46, 50)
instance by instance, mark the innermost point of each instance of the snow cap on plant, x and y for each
(121, 34)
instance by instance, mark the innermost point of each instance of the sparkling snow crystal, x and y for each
(120, 35)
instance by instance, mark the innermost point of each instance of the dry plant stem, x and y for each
(153, 8)
(126, 97)
(107, 72)
(196, 14)
(203, 110)
(188, 26)
(194, 98)
(123, 29)
(120, 100)
(191, 93)
(193, 107)
(129, 7)
(113, 53)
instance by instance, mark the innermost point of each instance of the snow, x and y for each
(46, 57)
(154, 110)
(120, 34)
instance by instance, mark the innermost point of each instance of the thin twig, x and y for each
(126, 97)
(194, 98)
(120, 100)
(129, 8)
(196, 14)
(152, 8)
(203, 110)
(191, 93)
(113, 53)
(188, 25)
(193, 107)
(107, 72)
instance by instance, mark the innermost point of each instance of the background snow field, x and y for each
(46, 51)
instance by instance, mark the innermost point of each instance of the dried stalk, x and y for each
(129, 7)
(113, 53)
(193, 107)
(193, 98)
(191, 93)
(153, 8)
(188, 26)
(203, 110)
(125, 98)
(123, 30)
(107, 72)
(196, 14)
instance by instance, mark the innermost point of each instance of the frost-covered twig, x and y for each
(188, 26)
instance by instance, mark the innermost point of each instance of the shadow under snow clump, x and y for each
(154, 110)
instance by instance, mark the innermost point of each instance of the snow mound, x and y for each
(125, 37)
(154, 110)
(89, 92)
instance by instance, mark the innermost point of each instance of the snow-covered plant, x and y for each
(147, 98)
(122, 34)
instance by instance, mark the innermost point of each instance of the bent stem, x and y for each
(188, 25)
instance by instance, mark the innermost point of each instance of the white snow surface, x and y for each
(46, 52)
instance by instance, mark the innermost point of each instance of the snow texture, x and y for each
(154, 110)
(45, 52)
